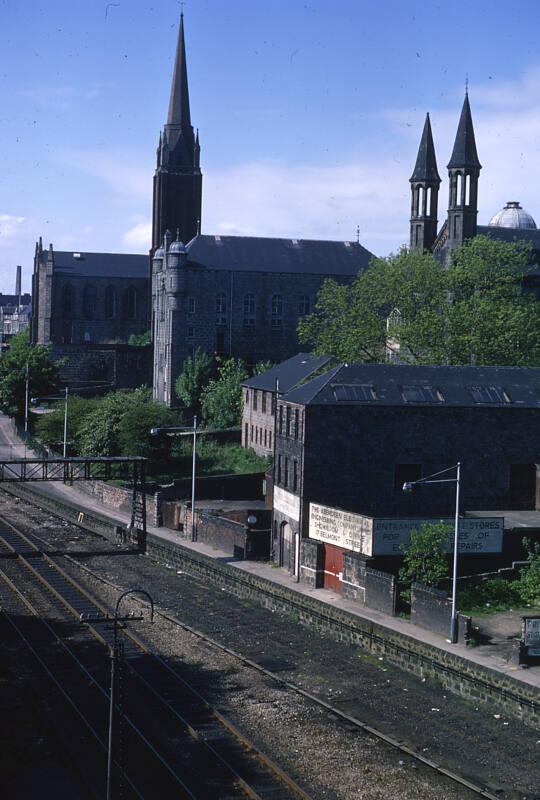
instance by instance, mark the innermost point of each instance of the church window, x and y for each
(263, 403)
(255, 399)
(420, 201)
(249, 310)
(190, 332)
(89, 302)
(459, 181)
(221, 308)
(277, 311)
(111, 303)
(67, 299)
(191, 305)
(130, 303)
(467, 190)
(304, 306)
(428, 201)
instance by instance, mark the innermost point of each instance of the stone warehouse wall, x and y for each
(120, 365)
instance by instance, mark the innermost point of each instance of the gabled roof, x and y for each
(101, 265)
(464, 153)
(403, 385)
(289, 373)
(262, 254)
(426, 162)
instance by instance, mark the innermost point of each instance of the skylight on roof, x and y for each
(489, 394)
(421, 394)
(353, 393)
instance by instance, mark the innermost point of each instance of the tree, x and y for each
(43, 373)
(222, 397)
(425, 559)
(195, 375)
(50, 427)
(140, 339)
(473, 312)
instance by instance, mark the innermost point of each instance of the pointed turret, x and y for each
(464, 153)
(425, 182)
(426, 162)
(179, 113)
(178, 179)
(463, 173)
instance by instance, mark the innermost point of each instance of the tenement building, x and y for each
(260, 394)
(347, 441)
(229, 295)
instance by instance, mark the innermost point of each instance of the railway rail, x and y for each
(401, 747)
(178, 744)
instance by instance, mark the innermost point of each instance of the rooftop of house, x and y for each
(405, 385)
(287, 374)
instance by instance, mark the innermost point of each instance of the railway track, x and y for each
(175, 744)
(33, 543)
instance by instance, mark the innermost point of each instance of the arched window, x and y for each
(221, 308)
(277, 311)
(130, 303)
(89, 302)
(459, 181)
(249, 310)
(111, 303)
(304, 306)
(67, 299)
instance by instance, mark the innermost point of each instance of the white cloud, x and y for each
(139, 237)
(10, 226)
(125, 171)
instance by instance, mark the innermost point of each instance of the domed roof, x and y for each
(177, 247)
(159, 254)
(512, 216)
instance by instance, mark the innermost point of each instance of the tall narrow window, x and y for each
(420, 201)
(89, 302)
(295, 475)
(130, 303)
(111, 303)
(263, 403)
(279, 469)
(287, 421)
(428, 201)
(467, 190)
(296, 422)
(280, 428)
(249, 310)
(304, 307)
(221, 308)
(459, 181)
(67, 299)
(255, 399)
(277, 311)
(191, 305)
(286, 474)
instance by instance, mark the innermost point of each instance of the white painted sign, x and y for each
(342, 528)
(287, 503)
(381, 537)
(476, 534)
(532, 632)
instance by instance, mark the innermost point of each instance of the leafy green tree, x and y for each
(50, 427)
(425, 559)
(43, 373)
(473, 312)
(222, 397)
(99, 433)
(195, 375)
(528, 584)
(140, 339)
(133, 433)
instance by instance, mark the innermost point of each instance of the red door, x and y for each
(333, 567)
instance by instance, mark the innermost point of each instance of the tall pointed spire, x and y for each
(426, 162)
(464, 153)
(179, 113)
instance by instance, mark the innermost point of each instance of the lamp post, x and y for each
(408, 486)
(115, 654)
(66, 423)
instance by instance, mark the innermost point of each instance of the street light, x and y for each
(409, 486)
(115, 654)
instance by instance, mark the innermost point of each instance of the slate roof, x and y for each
(96, 265)
(511, 234)
(425, 168)
(289, 373)
(13, 299)
(464, 153)
(404, 385)
(261, 254)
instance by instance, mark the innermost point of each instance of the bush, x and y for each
(528, 584)
(50, 427)
(495, 594)
(425, 559)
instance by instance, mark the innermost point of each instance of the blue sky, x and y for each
(310, 114)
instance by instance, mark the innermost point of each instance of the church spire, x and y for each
(426, 162)
(464, 154)
(179, 113)
(425, 182)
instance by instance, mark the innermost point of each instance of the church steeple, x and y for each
(425, 182)
(179, 113)
(177, 179)
(463, 173)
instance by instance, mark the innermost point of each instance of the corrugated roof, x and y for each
(108, 265)
(404, 385)
(289, 373)
(261, 254)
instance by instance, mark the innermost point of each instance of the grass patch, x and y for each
(490, 597)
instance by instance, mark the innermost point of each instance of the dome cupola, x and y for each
(513, 216)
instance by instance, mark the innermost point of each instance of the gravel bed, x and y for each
(336, 760)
